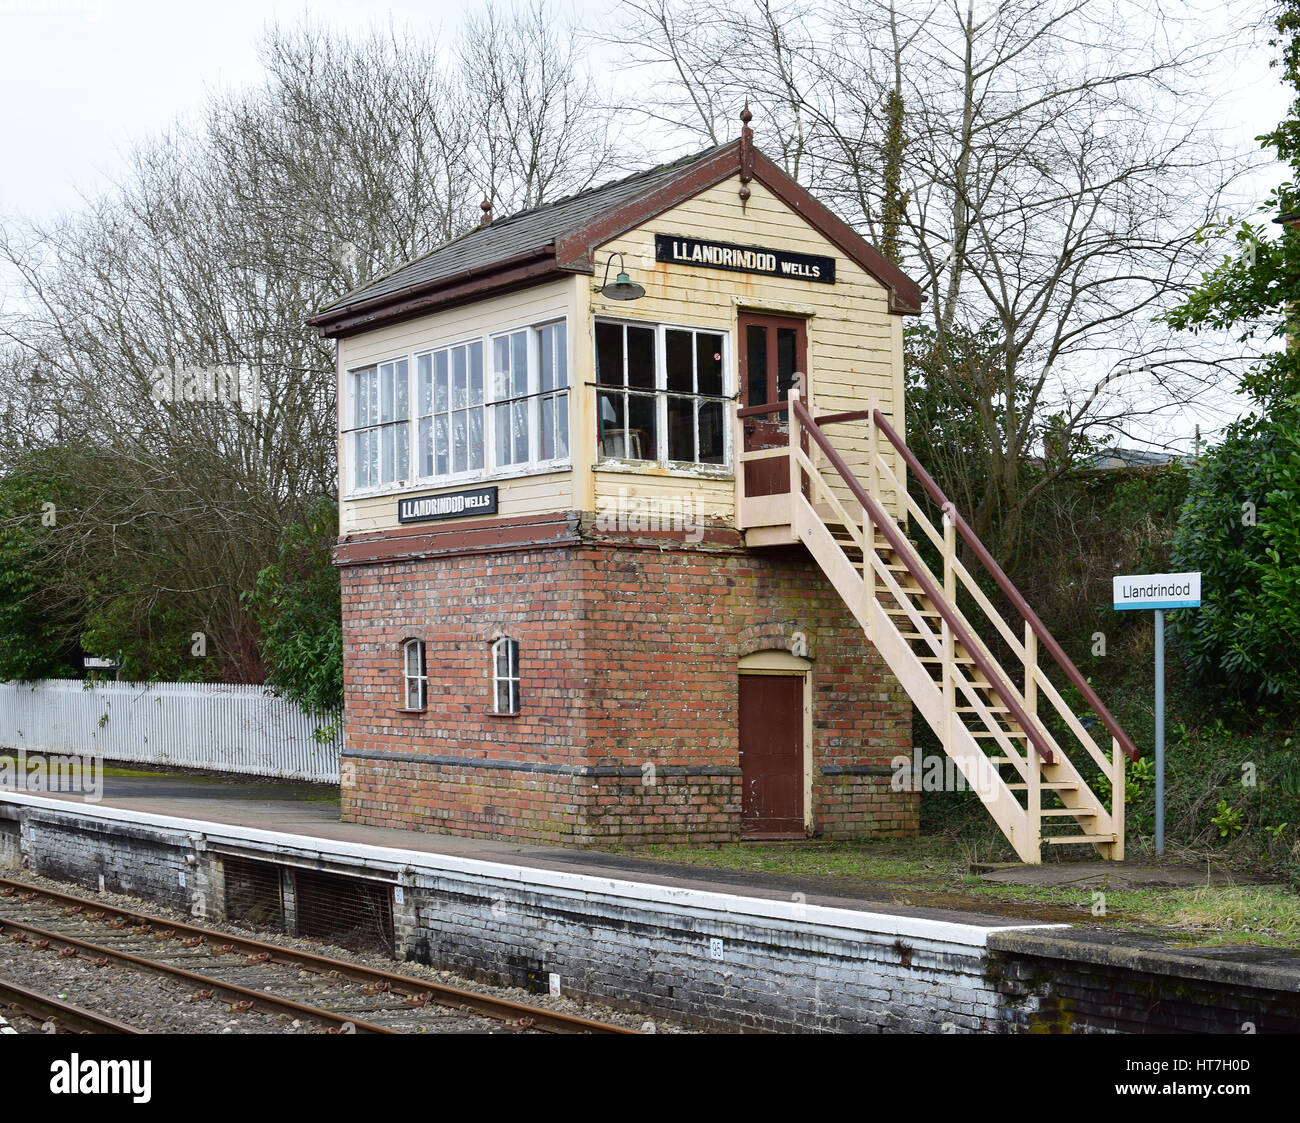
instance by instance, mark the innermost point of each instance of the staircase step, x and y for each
(1077, 812)
(1058, 786)
(990, 709)
(1068, 838)
(988, 733)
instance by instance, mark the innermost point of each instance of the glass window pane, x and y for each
(546, 430)
(519, 422)
(756, 365)
(708, 363)
(562, 425)
(503, 698)
(441, 397)
(519, 362)
(476, 438)
(386, 392)
(711, 432)
(372, 455)
(561, 356)
(402, 457)
(440, 445)
(387, 461)
(459, 442)
(401, 391)
(360, 400)
(785, 362)
(459, 378)
(546, 357)
(501, 368)
(641, 357)
(501, 446)
(424, 447)
(424, 383)
(681, 429)
(643, 428)
(475, 374)
(678, 359)
(609, 354)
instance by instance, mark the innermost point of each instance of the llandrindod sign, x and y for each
(744, 259)
(1158, 590)
(448, 505)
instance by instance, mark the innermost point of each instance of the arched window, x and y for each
(505, 676)
(415, 674)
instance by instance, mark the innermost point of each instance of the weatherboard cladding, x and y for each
(518, 234)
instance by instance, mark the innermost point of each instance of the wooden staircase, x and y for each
(988, 715)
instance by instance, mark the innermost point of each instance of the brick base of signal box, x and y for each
(628, 653)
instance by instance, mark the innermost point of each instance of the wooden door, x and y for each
(773, 349)
(771, 755)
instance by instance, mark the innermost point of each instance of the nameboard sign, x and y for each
(1158, 590)
(448, 505)
(744, 259)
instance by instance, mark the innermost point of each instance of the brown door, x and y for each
(771, 755)
(773, 349)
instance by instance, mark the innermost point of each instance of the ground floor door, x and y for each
(771, 755)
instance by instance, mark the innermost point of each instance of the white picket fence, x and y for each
(218, 726)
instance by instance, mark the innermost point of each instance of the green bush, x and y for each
(1239, 528)
(297, 604)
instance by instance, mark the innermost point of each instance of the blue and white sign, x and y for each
(1158, 590)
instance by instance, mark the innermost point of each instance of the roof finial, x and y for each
(486, 208)
(746, 154)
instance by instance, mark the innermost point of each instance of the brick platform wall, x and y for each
(628, 655)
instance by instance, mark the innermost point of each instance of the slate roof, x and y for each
(505, 238)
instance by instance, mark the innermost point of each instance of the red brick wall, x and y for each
(629, 658)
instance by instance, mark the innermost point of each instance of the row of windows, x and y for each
(463, 423)
(660, 397)
(504, 666)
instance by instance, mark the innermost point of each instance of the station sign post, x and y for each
(1158, 592)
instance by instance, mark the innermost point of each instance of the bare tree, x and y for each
(158, 338)
(1041, 166)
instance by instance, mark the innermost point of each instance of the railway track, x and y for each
(56, 1015)
(248, 974)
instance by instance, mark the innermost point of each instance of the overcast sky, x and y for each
(81, 80)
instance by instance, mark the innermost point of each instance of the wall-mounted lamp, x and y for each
(623, 288)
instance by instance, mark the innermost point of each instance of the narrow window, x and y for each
(450, 416)
(416, 675)
(510, 393)
(505, 676)
(381, 424)
(553, 402)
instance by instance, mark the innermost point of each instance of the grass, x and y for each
(935, 871)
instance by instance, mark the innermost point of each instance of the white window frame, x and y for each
(531, 399)
(412, 479)
(510, 679)
(416, 679)
(397, 424)
(417, 414)
(661, 393)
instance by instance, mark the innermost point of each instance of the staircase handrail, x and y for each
(901, 546)
(1009, 590)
